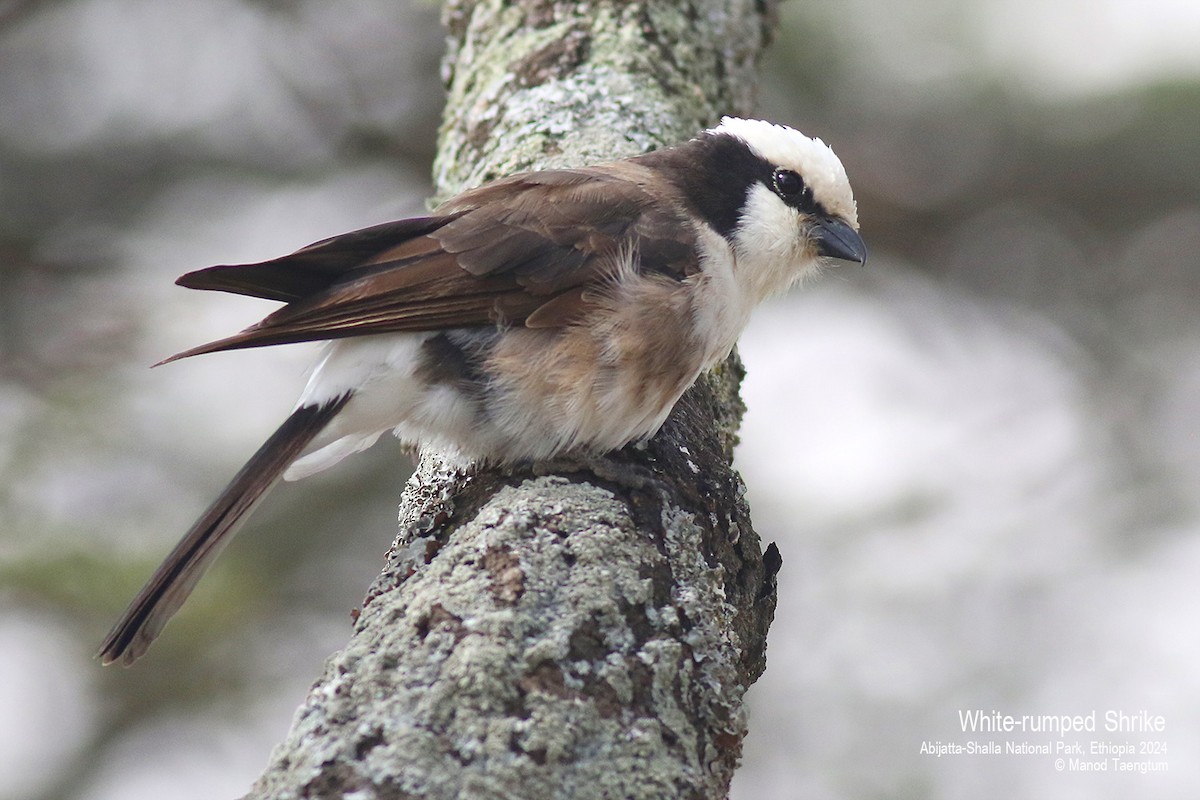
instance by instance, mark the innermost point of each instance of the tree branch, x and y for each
(581, 628)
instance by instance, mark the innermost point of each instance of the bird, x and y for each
(547, 312)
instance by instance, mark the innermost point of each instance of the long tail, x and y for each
(175, 578)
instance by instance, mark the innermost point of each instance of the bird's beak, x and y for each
(836, 239)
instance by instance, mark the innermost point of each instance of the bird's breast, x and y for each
(609, 379)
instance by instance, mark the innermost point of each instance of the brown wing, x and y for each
(312, 268)
(523, 250)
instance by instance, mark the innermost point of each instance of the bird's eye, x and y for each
(788, 183)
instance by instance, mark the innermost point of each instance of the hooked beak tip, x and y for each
(836, 239)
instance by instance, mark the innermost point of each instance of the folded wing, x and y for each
(524, 250)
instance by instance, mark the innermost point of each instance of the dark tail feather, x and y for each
(175, 578)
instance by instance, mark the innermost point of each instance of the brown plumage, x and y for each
(507, 252)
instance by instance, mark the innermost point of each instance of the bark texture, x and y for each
(585, 628)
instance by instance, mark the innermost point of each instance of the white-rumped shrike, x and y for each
(545, 312)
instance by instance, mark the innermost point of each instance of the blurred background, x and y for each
(978, 455)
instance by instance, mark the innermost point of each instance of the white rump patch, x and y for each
(329, 455)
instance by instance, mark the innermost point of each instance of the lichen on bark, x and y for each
(541, 84)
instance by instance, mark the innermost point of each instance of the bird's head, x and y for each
(781, 199)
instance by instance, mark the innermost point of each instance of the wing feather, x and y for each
(314, 267)
(523, 250)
